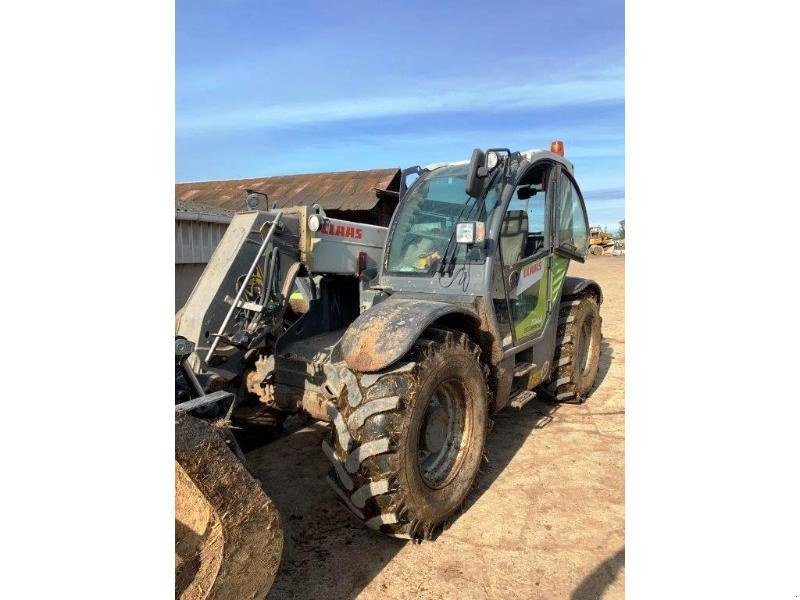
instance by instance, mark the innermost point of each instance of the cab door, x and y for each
(570, 226)
(525, 246)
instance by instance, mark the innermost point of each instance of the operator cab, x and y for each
(498, 231)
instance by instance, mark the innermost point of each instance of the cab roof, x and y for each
(530, 155)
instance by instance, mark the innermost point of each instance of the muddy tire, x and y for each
(406, 442)
(577, 354)
(595, 250)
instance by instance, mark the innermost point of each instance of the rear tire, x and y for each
(595, 250)
(577, 355)
(406, 442)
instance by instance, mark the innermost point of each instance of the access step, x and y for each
(523, 368)
(522, 398)
(253, 306)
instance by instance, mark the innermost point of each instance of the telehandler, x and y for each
(405, 339)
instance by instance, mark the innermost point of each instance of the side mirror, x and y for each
(525, 193)
(476, 173)
(470, 232)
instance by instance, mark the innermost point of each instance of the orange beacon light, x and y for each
(557, 147)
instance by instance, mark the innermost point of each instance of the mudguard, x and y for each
(574, 286)
(385, 332)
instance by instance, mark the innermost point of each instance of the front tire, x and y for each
(406, 442)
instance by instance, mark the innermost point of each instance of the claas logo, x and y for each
(342, 231)
(531, 269)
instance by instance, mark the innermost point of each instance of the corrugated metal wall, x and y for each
(186, 277)
(196, 240)
(194, 243)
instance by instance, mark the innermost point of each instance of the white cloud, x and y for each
(442, 98)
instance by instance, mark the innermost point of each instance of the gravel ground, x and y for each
(546, 519)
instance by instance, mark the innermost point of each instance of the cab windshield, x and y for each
(435, 203)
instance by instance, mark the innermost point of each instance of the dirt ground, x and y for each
(546, 519)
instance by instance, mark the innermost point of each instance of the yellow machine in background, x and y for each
(599, 241)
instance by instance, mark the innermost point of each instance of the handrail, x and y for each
(244, 285)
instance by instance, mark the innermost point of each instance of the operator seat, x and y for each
(513, 237)
(420, 247)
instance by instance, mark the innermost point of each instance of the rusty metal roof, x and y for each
(347, 190)
(201, 208)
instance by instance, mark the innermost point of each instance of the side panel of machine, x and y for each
(335, 247)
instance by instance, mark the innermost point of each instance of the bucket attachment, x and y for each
(228, 535)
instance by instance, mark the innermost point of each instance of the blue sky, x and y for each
(267, 88)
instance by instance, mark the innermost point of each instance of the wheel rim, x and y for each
(584, 344)
(442, 439)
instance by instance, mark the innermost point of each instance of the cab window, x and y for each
(526, 218)
(571, 226)
(427, 216)
(525, 229)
